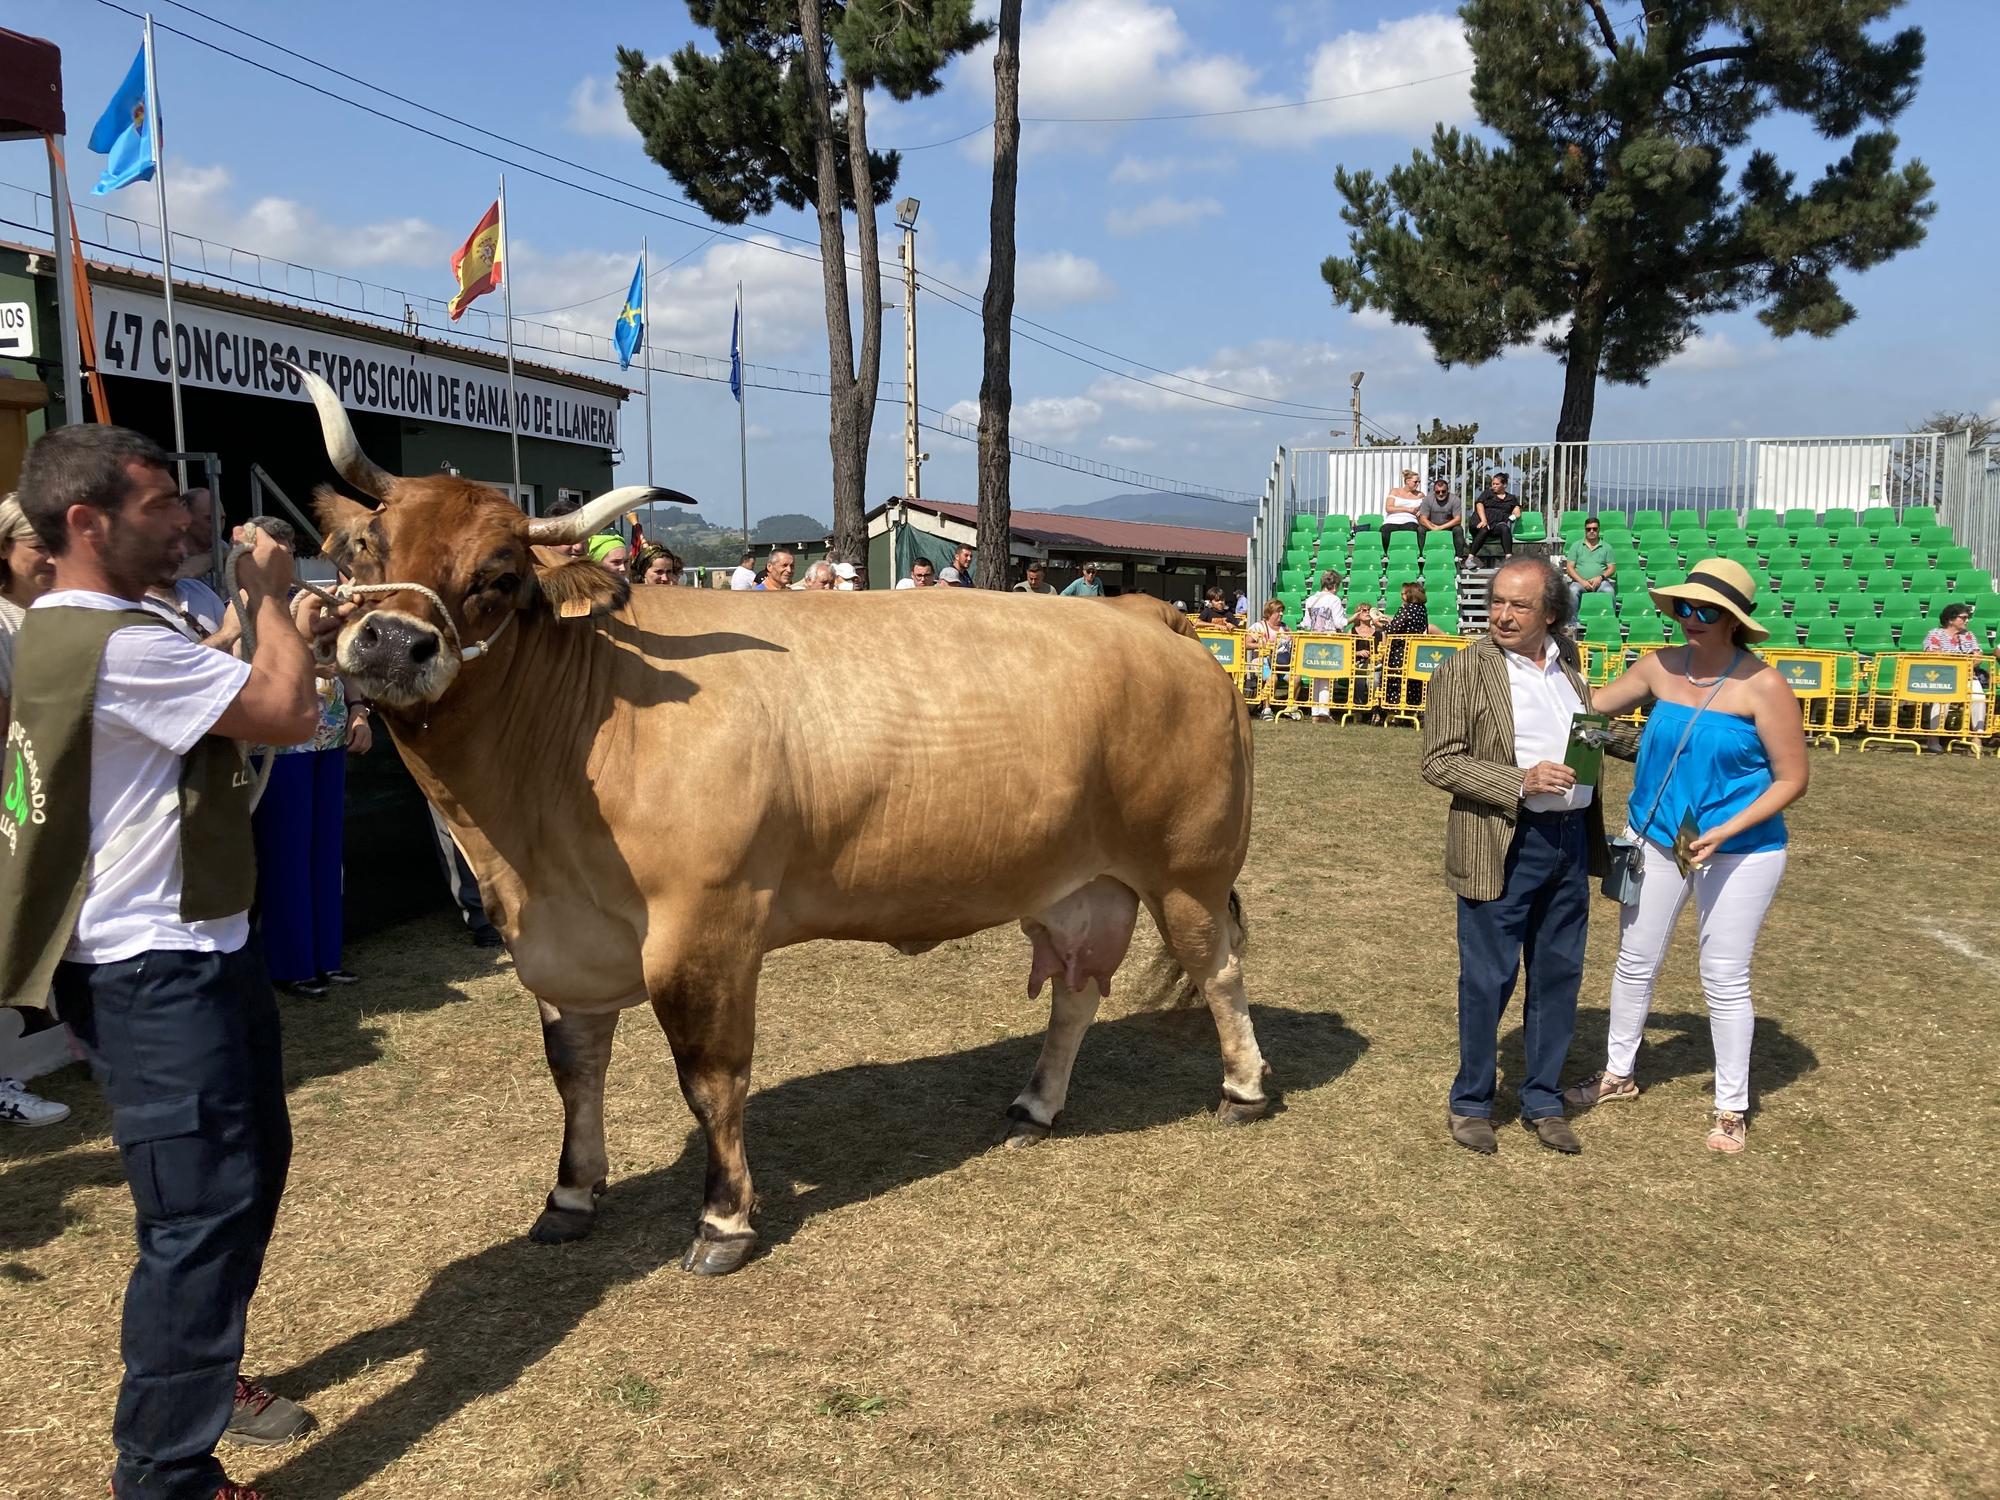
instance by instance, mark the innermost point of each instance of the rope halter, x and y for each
(465, 653)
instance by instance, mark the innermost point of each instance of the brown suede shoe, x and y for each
(1475, 1133)
(1553, 1131)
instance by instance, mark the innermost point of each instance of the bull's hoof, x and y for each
(1023, 1129)
(560, 1226)
(714, 1254)
(1234, 1111)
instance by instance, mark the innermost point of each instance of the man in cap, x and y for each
(1086, 587)
(846, 576)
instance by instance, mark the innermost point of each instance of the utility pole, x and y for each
(1354, 405)
(913, 459)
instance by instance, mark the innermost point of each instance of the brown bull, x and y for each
(658, 788)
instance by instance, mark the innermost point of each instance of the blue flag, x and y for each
(124, 133)
(736, 356)
(630, 334)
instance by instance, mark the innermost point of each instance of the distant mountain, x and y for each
(789, 527)
(1166, 510)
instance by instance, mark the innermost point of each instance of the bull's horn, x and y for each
(560, 531)
(349, 462)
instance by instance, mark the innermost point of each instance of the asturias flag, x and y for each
(630, 334)
(124, 133)
(476, 263)
(736, 356)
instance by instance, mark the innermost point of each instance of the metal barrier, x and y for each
(1226, 646)
(1326, 667)
(1915, 698)
(1409, 663)
(1815, 680)
(1602, 663)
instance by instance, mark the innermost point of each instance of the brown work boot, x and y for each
(264, 1419)
(1475, 1133)
(1553, 1131)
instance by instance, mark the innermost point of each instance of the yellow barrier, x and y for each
(1915, 698)
(1601, 663)
(1815, 678)
(1409, 662)
(1226, 646)
(1325, 671)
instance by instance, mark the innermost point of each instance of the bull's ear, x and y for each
(576, 586)
(339, 520)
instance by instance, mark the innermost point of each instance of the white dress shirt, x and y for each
(1544, 704)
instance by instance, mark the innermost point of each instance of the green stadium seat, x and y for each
(1851, 605)
(1596, 604)
(1802, 518)
(1884, 583)
(1339, 526)
(1438, 544)
(1755, 517)
(1972, 583)
(1836, 516)
(1614, 522)
(1910, 631)
(1871, 636)
(1570, 527)
(1808, 608)
(1727, 520)
(1930, 583)
(1849, 539)
(1530, 527)
(1868, 559)
(1648, 520)
(1954, 559)
(1877, 516)
(1291, 578)
(1826, 635)
(1368, 521)
(1797, 583)
(1602, 630)
(1304, 526)
(1368, 539)
(1683, 519)
(1784, 560)
(1910, 560)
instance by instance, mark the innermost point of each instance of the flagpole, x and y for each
(507, 293)
(646, 345)
(742, 422)
(166, 243)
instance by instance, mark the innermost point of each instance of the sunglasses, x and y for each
(1708, 614)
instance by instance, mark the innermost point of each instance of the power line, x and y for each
(884, 268)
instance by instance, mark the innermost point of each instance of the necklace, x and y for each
(1694, 681)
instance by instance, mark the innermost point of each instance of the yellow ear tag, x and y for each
(573, 609)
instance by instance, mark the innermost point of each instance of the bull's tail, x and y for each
(1165, 985)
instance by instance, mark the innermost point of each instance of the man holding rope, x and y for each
(126, 875)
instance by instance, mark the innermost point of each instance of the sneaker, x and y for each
(264, 1419)
(19, 1107)
(486, 935)
(306, 989)
(1599, 1088)
(1728, 1132)
(341, 976)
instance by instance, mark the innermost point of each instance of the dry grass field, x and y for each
(1334, 1301)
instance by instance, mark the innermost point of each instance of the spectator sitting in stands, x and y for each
(1954, 637)
(1325, 614)
(1215, 610)
(1441, 511)
(819, 576)
(921, 576)
(1403, 507)
(1589, 567)
(655, 564)
(1268, 645)
(1086, 587)
(1493, 517)
(1413, 618)
(1037, 581)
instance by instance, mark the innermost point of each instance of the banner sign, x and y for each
(1930, 678)
(219, 350)
(1321, 655)
(1430, 655)
(1224, 648)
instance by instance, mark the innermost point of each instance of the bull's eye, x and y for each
(506, 583)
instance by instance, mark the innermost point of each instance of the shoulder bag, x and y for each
(1625, 852)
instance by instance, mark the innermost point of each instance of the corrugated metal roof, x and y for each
(1073, 533)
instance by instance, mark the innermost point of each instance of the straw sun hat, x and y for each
(1717, 580)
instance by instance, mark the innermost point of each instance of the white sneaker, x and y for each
(19, 1107)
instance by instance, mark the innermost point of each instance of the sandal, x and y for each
(1597, 1088)
(1728, 1132)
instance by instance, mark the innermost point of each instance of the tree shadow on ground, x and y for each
(1777, 1058)
(853, 1133)
(40, 1170)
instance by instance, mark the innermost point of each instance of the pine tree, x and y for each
(778, 113)
(1607, 207)
(996, 383)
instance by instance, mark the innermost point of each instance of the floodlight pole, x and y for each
(913, 458)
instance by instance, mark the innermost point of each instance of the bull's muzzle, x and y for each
(396, 658)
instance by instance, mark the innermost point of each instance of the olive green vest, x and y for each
(45, 853)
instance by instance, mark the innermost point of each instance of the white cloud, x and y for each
(1267, 370)
(1992, 412)
(1056, 419)
(596, 109)
(1118, 442)
(1717, 351)
(1353, 68)
(1146, 170)
(1160, 213)
(1051, 278)
(285, 229)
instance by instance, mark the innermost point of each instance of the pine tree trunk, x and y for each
(1585, 346)
(996, 387)
(850, 488)
(849, 540)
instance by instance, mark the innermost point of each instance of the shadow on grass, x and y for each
(854, 1133)
(39, 1170)
(1777, 1058)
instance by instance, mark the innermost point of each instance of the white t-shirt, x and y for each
(743, 578)
(158, 693)
(1325, 612)
(1544, 704)
(10, 626)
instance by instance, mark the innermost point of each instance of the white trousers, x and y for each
(1731, 894)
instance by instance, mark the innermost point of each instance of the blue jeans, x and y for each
(186, 1049)
(1542, 914)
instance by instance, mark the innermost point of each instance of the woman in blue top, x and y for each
(1723, 755)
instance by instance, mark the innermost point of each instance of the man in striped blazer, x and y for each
(1521, 843)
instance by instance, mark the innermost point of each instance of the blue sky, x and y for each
(1193, 247)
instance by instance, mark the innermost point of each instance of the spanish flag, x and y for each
(476, 263)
